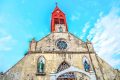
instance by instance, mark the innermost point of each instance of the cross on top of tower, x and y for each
(56, 3)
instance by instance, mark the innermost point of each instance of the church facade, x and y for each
(61, 56)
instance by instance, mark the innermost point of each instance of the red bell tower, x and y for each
(58, 21)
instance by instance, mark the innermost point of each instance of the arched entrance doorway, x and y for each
(87, 76)
(73, 73)
(67, 72)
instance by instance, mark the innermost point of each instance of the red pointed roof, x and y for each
(57, 9)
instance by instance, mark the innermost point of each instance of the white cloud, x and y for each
(87, 25)
(6, 41)
(75, 17)
(105, 36)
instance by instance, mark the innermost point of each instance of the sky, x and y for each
(95, 20)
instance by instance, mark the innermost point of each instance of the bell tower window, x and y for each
(61, 21)
(56, 21)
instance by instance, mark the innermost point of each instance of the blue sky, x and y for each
(22, 20)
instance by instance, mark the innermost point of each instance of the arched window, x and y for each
(64, 65)
(41, 64)
(86, 64)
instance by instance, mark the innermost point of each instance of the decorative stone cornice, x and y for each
(61, 52)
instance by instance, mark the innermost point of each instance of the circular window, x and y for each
(61, 44)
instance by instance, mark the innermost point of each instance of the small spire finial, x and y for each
(56, 4)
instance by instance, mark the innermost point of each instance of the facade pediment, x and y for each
(50, 43)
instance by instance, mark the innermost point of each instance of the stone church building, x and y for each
(61, 56)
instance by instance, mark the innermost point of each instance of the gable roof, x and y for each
(57, 8)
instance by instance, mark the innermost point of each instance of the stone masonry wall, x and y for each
(27, 68)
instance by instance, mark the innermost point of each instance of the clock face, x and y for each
(61, 44)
